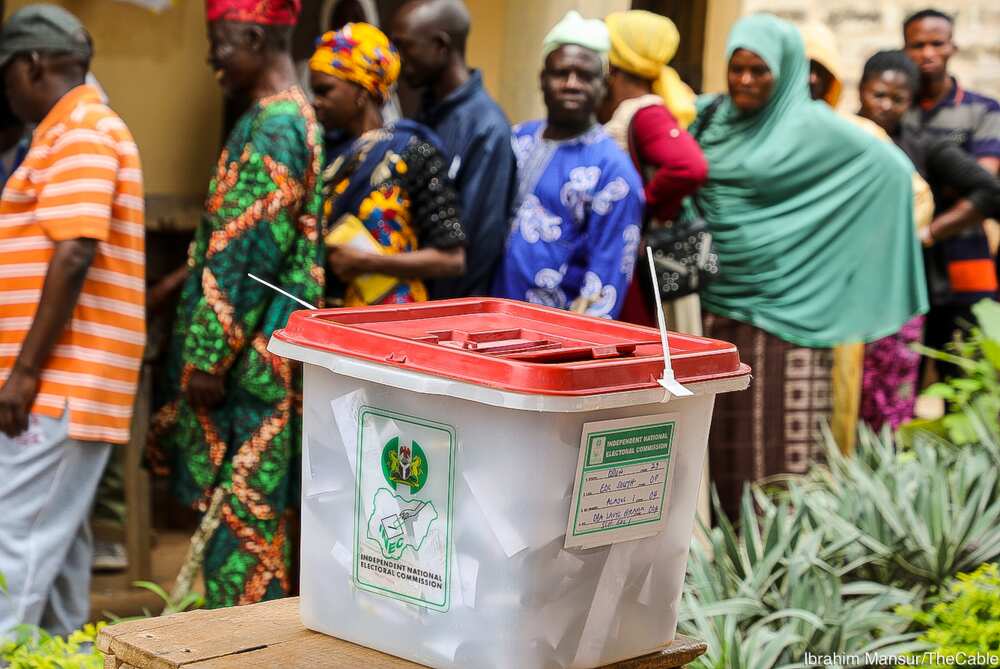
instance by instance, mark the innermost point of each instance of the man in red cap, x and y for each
(232, 430)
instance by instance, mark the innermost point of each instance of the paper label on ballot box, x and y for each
(403, 509)
(622, 480)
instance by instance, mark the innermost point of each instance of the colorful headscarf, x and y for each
(642, 43)
(262, 12)
(361, 53)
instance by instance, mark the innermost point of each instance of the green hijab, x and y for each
(812, 217)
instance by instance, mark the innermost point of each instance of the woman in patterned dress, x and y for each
(391, 212)
(230, 432)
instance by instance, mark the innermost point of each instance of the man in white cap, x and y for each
(575, 234)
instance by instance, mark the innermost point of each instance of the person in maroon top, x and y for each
(645, 111)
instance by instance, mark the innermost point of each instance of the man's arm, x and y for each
(63, 282)
(978, 189)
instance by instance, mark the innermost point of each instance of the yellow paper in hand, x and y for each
(350, 231)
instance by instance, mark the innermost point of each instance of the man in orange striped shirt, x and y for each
(72, 325)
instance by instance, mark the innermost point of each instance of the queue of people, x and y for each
(826, 242)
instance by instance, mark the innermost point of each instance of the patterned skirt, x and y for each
(773, 427)
(891, 377)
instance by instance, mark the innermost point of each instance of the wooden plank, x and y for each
(178, 640)
(112, 662)
(270, 634)
(680, 652)
(316, 650)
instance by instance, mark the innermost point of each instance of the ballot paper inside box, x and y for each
(488, 483)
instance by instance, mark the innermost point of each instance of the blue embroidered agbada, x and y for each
(574, 239)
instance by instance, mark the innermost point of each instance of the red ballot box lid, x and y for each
(511, 345)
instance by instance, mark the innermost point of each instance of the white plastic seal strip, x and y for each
(278, 290)
(668, 381)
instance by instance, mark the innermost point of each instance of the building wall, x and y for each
(719, 20)
(864, 28)
(526, 24)
(486, 41)
(153, 69)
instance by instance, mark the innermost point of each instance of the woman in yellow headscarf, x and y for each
(646, 111)
(391, 213)
(642, 43)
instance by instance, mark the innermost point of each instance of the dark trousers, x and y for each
(941, 325)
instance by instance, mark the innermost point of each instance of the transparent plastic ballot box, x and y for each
(494, 484)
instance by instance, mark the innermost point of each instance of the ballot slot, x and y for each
(527, 345)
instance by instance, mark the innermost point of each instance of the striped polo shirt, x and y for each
(966, 118)
(81, 178)
(971, 121)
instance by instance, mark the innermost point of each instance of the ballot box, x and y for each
(494, 484)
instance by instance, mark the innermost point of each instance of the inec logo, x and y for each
(404, 465)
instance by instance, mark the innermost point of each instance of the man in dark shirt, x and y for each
(943, 108)
(959, 268)
(431, 36)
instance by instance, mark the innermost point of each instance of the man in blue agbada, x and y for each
(575, 234)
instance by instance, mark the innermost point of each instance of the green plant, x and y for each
(973, 399)
(178, 604)
(763, 595)
(912, 518)
(33, 648)
(967, 620)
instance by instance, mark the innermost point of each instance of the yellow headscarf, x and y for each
(821, 46)
(361, 53)
(642, 43)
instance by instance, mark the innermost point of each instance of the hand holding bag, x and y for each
(683, 255)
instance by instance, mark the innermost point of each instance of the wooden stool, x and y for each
(269, 635)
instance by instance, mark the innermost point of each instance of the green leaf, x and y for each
(960, 429)
(991, 350)
(3, 583)
(942, 390)
(968, 385)
(987, 313)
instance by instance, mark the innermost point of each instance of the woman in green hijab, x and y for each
(813, 222)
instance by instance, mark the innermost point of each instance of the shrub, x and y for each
(967, 620)
(34, 648)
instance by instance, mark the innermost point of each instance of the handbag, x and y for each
(684, 257)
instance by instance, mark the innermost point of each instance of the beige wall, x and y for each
(865, 27)
(525, 25)
(153, 69)
(718, 20)
(486, 40)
